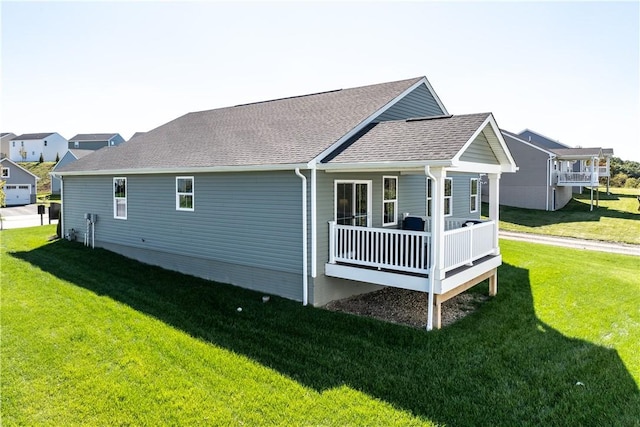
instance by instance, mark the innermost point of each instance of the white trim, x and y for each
(359, 274)
(314, 224)
(115, 199)
(8, 175)
(305, 274)
(353, 181)
(192, 194)
(20, 167)
(445, 197)
(365, 122)
(382, 166)
(510, 166)
(393, 201)
(477, 195)
(188, 170)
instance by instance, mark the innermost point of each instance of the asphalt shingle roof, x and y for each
(32, 136)
(283, 131)
(93, 137)
(434, 138)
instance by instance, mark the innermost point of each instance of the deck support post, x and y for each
(493, 284)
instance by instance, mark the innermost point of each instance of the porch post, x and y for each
(494, 207)
(437, 222)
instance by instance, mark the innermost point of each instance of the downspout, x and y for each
(549, 180)
(432, 258)
(305, 290)
(314, 228)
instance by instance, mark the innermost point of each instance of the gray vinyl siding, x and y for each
(248, 225)
(462, 195)
(418, 103)
(88, 145)
(479, 151)
(17, 176)
(413, 195)
(65, 160)
(527, 188)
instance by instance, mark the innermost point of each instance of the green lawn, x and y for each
(92, 338)
(617, 218)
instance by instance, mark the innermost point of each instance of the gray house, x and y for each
(549, 172)
(70, 156)
(95, 141)
(313, 198)
(5, 138)
(20, 185)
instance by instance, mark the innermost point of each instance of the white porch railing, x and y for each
(587, 178)
(603, 171)
(465, 245)
(408, 251)
(400, 250)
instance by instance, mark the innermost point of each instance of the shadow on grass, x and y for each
(499, 366)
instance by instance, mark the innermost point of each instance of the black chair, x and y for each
(413, 223)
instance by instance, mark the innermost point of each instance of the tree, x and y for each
(57, 157)
(41, 158)
(2, 195)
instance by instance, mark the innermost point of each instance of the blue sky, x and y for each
(570, 70)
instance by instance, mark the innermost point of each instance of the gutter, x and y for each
(305, 284)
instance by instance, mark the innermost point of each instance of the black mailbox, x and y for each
(40, 209)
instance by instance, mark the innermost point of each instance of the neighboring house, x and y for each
(304, 197)
(5, 138)
(548, 171)
(20, 184)
(71, 156)
(95, 141)
(29, 146)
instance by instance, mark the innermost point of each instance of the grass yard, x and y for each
(617, 218)
(92, 338)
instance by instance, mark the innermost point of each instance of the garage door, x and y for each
(17, 194)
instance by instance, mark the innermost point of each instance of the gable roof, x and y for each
(6, 159)
(540, 140)
(31, 136)
(431, 140)
(93, 137)
(515, 137)
(281, 132)
(577, 153)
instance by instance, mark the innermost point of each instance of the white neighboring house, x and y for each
(20, 184)
(5, 142)
(28, 147)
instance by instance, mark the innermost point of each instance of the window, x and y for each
(45, 142)
(184, 193)
(76, 144)
(353, 203)
(5, 173)
(448, 199)
(389, 200)
(120, 198)
(473, 207)
(14, 143)
(429, 196)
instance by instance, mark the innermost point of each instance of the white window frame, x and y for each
(448, 200)
(192, 193)
(8, 172)
(120, 199)
(473, 205)
(386, 201)
(369, 184)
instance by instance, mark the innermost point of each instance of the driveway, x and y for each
(23, 216)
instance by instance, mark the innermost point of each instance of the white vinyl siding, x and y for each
(120, 198)
(184, 193)
(389, 200)
(474, 191)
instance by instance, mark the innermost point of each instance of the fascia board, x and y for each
(150, 171)
(381, 166)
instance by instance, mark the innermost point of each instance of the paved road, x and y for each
(23, 216)
(569, 242)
